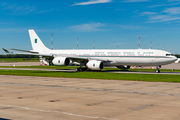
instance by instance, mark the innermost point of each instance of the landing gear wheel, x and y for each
(157, 71)
(77, 69)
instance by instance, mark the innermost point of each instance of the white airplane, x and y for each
(96, 59)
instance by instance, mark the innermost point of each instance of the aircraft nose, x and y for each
(174, 58)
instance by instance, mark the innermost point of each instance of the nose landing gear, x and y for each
(157, 69)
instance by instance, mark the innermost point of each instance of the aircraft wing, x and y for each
(74, 58)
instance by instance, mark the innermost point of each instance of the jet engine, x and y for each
(61, 61)
(123, 66)
(95, 65)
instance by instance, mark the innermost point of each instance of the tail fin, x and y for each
(36, 42)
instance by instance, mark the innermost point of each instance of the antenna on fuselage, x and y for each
(106, 45)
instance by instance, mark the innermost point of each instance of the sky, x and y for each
(115, 24)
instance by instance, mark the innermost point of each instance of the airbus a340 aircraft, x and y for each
(95, 59)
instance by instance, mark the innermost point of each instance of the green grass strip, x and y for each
(95, 75)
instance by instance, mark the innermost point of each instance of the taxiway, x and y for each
(25, 97)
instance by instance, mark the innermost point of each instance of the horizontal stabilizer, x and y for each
(25, 51)
(30, 54)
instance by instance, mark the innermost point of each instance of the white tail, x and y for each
(36, 42)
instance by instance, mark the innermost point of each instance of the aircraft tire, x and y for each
(157, 71)
(77, 69)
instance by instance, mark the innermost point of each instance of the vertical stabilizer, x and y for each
(36, 42)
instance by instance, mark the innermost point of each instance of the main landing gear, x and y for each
(157, 69)
(79, 69)
(82, 69)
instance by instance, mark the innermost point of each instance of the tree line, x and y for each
(18, 56)
(177, 55)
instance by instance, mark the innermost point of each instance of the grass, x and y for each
(19, 59)
(95, 75)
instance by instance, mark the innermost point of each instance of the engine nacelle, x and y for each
(123, 66)
(61, 61)
(95, 65)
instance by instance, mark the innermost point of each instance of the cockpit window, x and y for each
(169, 55)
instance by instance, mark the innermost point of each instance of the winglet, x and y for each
(6, 50)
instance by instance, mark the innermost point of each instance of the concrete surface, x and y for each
(27, 98)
